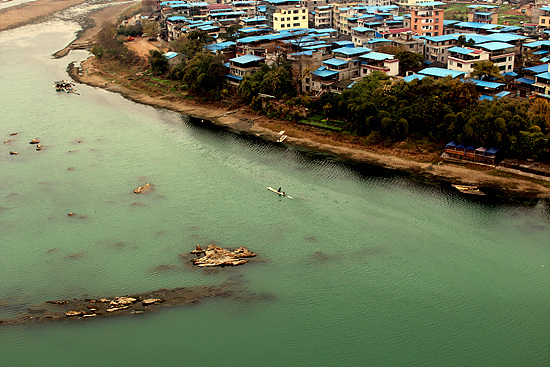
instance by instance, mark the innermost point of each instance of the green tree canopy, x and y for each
(159, 63)
(409, 60)
(273, 80)
(192, 43)
(205, 73)
(486, 70)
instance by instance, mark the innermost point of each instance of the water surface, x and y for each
(365, 267)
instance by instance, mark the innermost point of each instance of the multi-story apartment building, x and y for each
(544, 17)
(286, 14)
(501, 54)
(322, 16)
(463, 58)
(378, 61)
(427, 18)
(483, 13)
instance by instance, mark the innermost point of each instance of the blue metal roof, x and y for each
(246, 59)
(476, 25)
(412, 77)
(323, 72)
(219, 46)
(475, 6)
(335, 62)
(176, 18)
(376, 56)
(511, 73)
(170, 55)
(460, 50)
(492, 151)
(484, 84)
(537, 44)
(502, 94)
(343, 43)
(538, 69)
(236, 77)
(440, 72)
(362, 29)
(495, 46)
(547, 8)
(525, 81)
(378, 40)
(545, 75)
(483, 13)
(429, 3)
(506, 37)
(352, 51)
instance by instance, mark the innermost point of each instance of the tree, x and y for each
(232, 33)
(462, 42)
(273, 80)
(541, 107)
(192, 43)
(159, 63)
(486, 70)
(205, 73)
(150, 28)
(409, 60)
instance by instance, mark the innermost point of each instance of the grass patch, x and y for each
(320, 122)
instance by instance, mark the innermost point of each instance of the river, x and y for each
(362, 266)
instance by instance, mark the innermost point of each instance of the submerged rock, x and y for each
(217, 256)
(13, 153)
(144, 188)
(34, 141)
(82, 309)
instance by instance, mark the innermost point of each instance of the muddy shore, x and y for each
(246, 121)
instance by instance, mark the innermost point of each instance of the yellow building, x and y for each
(286, 14)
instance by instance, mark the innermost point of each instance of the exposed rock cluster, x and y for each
(144, 188)
(217, 256)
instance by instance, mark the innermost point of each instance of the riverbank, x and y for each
(247, 121)
(408, 159)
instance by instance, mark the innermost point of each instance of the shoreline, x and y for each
(249, 122)
(242, 120)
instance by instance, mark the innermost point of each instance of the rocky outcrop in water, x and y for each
(217, 256)
(144, 188)
(139, 303)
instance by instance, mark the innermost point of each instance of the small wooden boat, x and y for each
(282, 136)
(282, 193)
(467, 189)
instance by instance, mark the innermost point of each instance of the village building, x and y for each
(241, 66)
(483, 13)
(427, 18)
(286, 14)
(501, 54)
(463, 58)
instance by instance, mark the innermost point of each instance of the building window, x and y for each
(295, 11)
(282, 25)
(304, 17)
(295, 18)
(543, 20)
(458, 65)
(296, 24)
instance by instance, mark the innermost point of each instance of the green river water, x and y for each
(363, 267)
